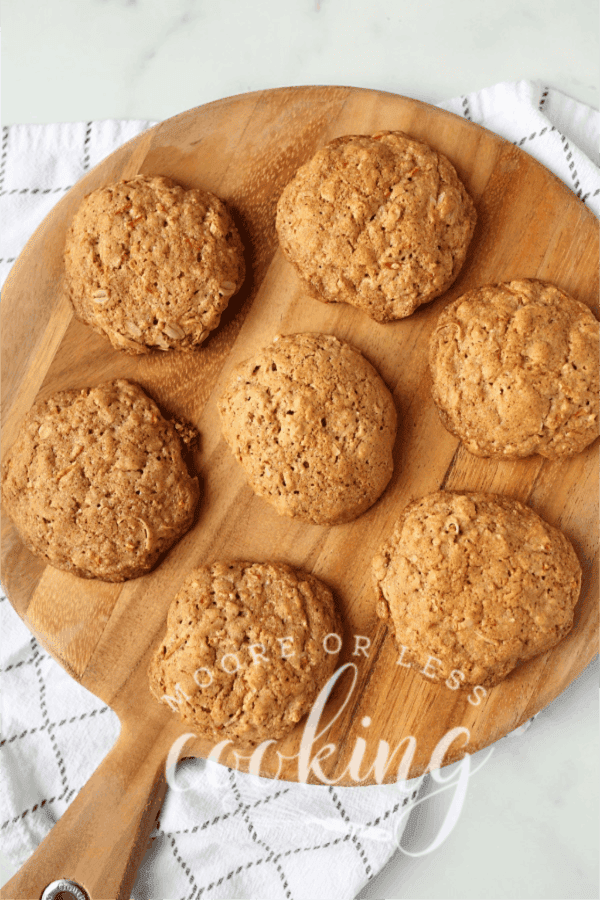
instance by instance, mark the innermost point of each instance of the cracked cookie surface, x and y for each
(313, 426)
(152, 266)
(477, 581)
(515, 370)
(244, 655)
(96, 484)
(381, 222)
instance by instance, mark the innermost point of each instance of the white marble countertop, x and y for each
(529, 826)
(75, 60)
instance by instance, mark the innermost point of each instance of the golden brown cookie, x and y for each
(313, 426)
(95, 482)
(246, 650)
(380, 221)
(475, 583)
(515, 370)
(151, 265)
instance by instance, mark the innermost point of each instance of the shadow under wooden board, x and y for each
(246, 149)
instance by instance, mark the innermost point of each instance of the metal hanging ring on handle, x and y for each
(64, 889)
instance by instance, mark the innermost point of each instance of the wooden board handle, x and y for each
(100, 839)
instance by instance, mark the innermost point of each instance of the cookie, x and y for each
(152, 266)
(246, 650)
(313, 426)
(474, 584)
(96, 484)
(515, 370)
(380, 221)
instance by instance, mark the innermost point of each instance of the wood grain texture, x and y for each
(245, 149)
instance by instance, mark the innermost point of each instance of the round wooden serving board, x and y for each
(245, 149)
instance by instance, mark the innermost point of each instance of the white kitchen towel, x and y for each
(225, 835)
(558, 131)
